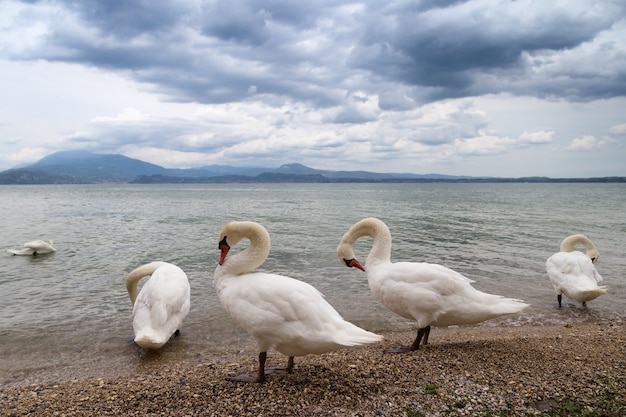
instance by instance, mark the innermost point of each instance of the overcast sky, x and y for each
(485, 87)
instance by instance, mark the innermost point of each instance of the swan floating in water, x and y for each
(162, 304)
(430, 294)
(280, 312)
(34, 248)
(573, 273)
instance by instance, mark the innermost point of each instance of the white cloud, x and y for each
(483, 144)
(537, 137)
(587, 142)
(619, 129)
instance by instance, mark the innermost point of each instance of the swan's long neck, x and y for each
(132, 280)
(570, 243)
(380, 234)
(254, 255)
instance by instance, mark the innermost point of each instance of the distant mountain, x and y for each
(101, 167)
(83, 167)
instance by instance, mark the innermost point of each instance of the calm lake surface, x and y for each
(67, 314)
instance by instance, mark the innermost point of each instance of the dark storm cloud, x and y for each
(234, 50)
(446, 50)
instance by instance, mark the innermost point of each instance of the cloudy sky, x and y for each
(481, 87)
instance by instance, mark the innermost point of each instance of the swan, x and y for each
(430, 294)
(162, 304)
(34, 248)
(283, 313)
(572, 272)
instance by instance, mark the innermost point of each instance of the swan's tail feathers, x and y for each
(588, 294)
(148, 339)
(511, 306)
(355, 336)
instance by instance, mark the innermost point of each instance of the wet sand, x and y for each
(463, 371)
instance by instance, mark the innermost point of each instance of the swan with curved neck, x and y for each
(280, 312)
(573, 273)
(34, 248)
(430, 294)
(162, 304)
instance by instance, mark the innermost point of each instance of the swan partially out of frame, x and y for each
(430, 294)
(34, 248)
(573, 273)
(162, 304)
(280, 312)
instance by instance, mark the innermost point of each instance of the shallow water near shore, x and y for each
(67, 314)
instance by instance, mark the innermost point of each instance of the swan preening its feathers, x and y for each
(34, 248)
(573, 273)
(280, 312)
(162, 304)
(430, 294)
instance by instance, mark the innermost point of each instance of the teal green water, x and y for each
(70, 310)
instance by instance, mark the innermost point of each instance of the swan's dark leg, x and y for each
(584, 303)
(421, 333)
(290, 365)
(426, 334)
(558, 297)
(261, 374)
(177, 332)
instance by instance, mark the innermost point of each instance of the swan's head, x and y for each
(234, 232)
(346, 256)
(230, 235)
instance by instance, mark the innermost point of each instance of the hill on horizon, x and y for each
(84, 167)
(93, 167)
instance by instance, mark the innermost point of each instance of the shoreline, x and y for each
(467, 370)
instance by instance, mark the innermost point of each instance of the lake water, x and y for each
(67, 314)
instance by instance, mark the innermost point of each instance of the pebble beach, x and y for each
(464, 371)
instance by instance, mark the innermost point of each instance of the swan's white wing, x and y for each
(434, 294)
(288, 314)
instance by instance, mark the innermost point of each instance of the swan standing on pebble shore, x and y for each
(573, 273)
(430, 294)
(280, 312)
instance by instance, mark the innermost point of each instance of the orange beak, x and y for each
(353, 263)
(224, 248)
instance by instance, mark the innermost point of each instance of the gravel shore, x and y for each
(463, 371)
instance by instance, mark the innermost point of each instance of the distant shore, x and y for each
(463, 371)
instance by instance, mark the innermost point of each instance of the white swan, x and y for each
(280, 312)
(430, 294)
(34, 248)
(572, 272)
(162, 304)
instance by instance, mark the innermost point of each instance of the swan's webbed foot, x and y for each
(422, 333)
(399, 349)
